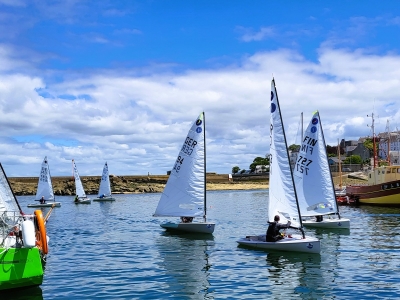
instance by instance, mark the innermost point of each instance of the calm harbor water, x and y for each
(118, 251)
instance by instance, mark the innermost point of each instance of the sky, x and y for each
(123, 81)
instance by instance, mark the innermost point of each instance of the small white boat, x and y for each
(80, 197)
(184, 194)
(314, 183)
(45, 189)
(282, 193)
(105, 186)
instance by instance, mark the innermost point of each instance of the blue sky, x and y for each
(122, 81)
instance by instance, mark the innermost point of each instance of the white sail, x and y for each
(8, 202)
(78, 183)
(184, 193)
(282, 194)
(45, 187)
(105, 187)
(312, 176)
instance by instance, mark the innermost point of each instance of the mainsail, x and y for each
(184, 193)
(105, 187)
(312, 176)
(282, 193)
(45, 187)
(78, 183)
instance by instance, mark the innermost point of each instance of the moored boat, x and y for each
(23, 242)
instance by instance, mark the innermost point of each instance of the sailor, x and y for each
(42, 200)
(273, 233)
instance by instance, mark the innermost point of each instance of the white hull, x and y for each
(83, 201)
(294, 244)
(189, 227)
(104, 199)
(328, 223)
(52, 204)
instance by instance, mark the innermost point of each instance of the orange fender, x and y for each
(41, 237)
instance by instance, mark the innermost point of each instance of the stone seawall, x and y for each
(119, 184)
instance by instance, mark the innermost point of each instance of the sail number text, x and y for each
(178, 163)
(302, 164)
(188, 146)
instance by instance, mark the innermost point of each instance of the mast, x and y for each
(205, 175)
(373, 139)
(340, 166)
(326, 155)
(388, 142)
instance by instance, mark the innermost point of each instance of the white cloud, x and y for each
(138, 123)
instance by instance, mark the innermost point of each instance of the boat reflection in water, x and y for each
(185, 260)
(33, 293)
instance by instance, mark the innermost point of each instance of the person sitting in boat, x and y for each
(319, 218)
(76, 198)
(186, 219)
(273, 233)
(102, 196)
(42, 200)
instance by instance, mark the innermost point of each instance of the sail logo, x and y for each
(198, 129)
(198, 122)
(310, 246)
(313, 129)
(314, 121)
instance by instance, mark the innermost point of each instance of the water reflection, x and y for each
(34, 293)
(185, 259)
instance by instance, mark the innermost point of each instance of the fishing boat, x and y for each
(80, 197)
(313, 180)
(105, 186)
(383, 187)
(23, 242)
(184, 194)
(282, 193)
(45, 193)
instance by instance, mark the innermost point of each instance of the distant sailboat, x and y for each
(283, 200)
(184, 195)
(80, 197)
(313, 180)
(45, 193)
(105, 186)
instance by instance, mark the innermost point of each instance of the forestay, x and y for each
(78, 183)
(105, 187)
(312, 176)
(184, 193)
(282, 194)
(45, 187)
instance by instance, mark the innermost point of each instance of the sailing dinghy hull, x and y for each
(53, 204)
(83, 201)
(189, 227)
(294, 244)
(328, 223)
(104, 199)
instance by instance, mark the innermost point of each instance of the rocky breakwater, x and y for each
(133, 184)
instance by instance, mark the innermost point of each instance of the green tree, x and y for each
(294, 147)
(235, 169)
(353, 159)
(263, 161)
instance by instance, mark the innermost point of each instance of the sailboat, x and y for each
(45, 188)
(22, 248)
(184, 194)
(80, 197)
(105, 186)
(313, 180)
(282, 193)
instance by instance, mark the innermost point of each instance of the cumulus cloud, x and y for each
(138, 122)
